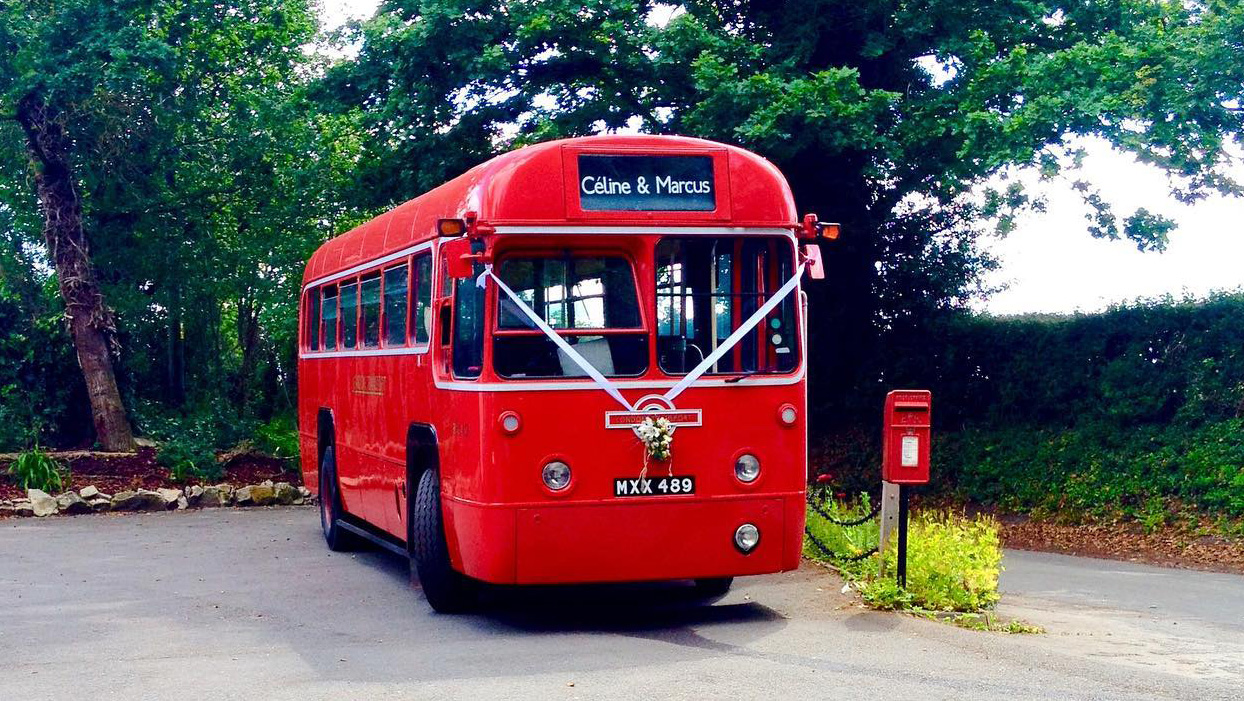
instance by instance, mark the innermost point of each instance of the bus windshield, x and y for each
(591, 301)
(707, 287)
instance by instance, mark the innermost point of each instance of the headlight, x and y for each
(747, 468)
(556, 475)
(746, 538)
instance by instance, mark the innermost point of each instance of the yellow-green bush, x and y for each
(953, 560)
(953, 563)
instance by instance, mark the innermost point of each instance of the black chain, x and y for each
(812, 502)
(825, 514)
(835, 556)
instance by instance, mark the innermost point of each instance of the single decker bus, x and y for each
(581, 361)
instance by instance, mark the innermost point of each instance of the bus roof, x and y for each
(538, 185)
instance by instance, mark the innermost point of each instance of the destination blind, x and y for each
(647, 183)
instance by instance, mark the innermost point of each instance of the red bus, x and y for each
(581, 361)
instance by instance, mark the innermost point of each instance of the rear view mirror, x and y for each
(458, 258)
(816, 267)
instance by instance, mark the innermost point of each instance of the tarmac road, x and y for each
(249, 604)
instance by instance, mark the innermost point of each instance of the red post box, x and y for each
(905, 442)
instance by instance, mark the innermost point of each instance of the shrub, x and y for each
(953, 561)
(191, 456)
(278, 438)
(35, 469)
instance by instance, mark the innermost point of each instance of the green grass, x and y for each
(953, 561)
(986, 621)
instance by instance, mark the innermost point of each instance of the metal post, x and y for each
(889, 520)
(902, 537)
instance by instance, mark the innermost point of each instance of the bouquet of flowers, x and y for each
(657, 436)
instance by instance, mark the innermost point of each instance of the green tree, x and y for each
(893, 118)
(180, 175)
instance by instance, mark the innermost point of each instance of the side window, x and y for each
(468, 350)
(369, 307)
(395, 297)
(312, 315)
(349, 315)
(328, 316)
(421, 310)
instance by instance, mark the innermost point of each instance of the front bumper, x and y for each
(623, 540)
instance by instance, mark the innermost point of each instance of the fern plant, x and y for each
(35, 469)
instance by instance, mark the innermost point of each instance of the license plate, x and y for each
(653, 486)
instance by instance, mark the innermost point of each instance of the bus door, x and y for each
(458, 358)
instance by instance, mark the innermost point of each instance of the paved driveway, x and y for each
(249, 604)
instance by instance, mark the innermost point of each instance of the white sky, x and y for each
(1051, 264)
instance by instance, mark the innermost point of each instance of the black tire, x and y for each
(338, 539)
(447, 590)
(713, 588)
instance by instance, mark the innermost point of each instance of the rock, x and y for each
(194, 495)
(88, 492)
(142, 500)
(266, 483)
(211, 497)
(254, 495)
(303, 491)
(124, 500)
(242, 497)
(71, 503)
(23, 508)
(100, 503)
(264, 495)
(170, 497)
(285, 493)
(42, 503)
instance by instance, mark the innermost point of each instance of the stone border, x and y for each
(90, 500)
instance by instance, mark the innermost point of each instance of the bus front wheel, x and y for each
(447, 590)
(338, 539)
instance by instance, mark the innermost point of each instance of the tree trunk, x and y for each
(248, 340)
(90, 321)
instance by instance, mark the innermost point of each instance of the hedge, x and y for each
(1123, 410)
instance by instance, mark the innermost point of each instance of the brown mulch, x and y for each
(1168, 547)
(112, 473)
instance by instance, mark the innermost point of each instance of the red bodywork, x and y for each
(502, 524)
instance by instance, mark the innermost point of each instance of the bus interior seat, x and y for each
(595, 351)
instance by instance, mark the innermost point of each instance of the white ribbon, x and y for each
(733, 339)
(566, 348)
(724, 347)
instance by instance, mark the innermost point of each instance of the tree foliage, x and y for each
(896, 119)
(205, 180)
(212, 151)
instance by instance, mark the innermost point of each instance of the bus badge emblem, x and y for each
(654, 407)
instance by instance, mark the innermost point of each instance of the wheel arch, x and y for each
(325, 436)
(422, 454)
